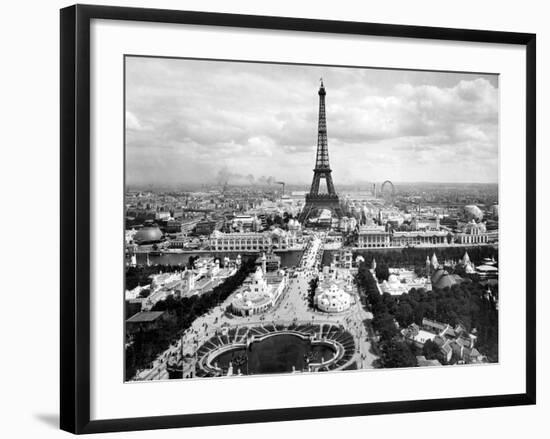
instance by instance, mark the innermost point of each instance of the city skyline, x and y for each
(359, 187)
(183, 127)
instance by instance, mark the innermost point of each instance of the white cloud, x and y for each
(261, 120)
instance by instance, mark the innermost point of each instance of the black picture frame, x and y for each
(75, 217)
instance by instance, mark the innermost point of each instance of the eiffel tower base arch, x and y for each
(315, 203)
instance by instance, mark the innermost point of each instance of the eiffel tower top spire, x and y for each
(321, 161)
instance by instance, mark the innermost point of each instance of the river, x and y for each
(289, 258)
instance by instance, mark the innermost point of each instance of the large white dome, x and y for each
(472, 212)
(148, 235)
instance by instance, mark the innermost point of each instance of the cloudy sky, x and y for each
(193, 121)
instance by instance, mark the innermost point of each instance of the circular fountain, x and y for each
(278, 352)
(269, 349)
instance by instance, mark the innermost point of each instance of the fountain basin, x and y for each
(276, 352)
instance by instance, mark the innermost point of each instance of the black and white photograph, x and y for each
(294, 219)
(275, 219)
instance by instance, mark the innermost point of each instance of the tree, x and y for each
(432, 352)
(405, 314)
(144, 293)
(191, 262)
(368, 287)
(420, 271)
(384, 324)
(382, 272)
(397, 354)
(311, 292)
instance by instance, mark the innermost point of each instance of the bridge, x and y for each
(313, 252)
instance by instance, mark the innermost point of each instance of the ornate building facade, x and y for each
(414, 239)
(373, 237)
(334, 293)
(254, 241)
(473, 233)
(259, 293)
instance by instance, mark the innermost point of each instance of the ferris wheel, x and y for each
(387, 190)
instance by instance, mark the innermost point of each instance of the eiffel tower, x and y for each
(316, 201)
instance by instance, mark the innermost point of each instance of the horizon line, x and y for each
(173, 185)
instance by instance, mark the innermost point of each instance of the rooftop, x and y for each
(145, 316)
(422, 361)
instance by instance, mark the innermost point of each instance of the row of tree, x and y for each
(313, 283)
(394, 352)
(181, 312)
(415, 256)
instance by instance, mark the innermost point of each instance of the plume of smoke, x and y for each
(266, 180)
(225, 176)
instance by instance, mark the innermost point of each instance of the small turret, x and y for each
(435, 264)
